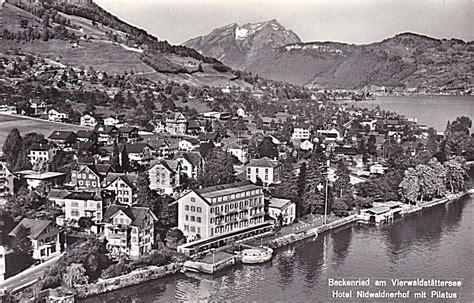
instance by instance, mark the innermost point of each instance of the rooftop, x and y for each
(226, 189)
(279, 203)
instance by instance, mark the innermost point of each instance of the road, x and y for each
(28, 276)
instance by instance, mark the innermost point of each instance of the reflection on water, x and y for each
(435, 244)
(433, 111)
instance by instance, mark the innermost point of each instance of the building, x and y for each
(34, 179)
(220, 210)
(188, 144)
(63, 139)
(164, 176)
(124, 187)
(39, 107)
(239, 151)
(265, 170)
(129, 230)
(6, 258)
(86, 176)
(332, 134)
(7, 180)
(106, 134)
(128, 134)
(282, 209)
(44, 236)
(57, 116)
(301, 131)
(306, 145)
(140, 153)
(89, 120)
(191, 163)
(88, 136)
(241, 112)
(176, 124)
(84, 204)
(41, 153)
(160, 148)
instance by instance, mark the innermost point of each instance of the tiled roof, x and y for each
(40, 146)
(35, 227)
(61, 135)
(264, 162)
(85, 134)
(303, 125)
(136, 214)
(226, 189)
(84, 195)
(129, 179)
(194, 158)
(279, 203)
(136, 148)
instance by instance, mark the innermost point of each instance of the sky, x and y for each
(350, 21)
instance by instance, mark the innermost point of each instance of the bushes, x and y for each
(221, 68)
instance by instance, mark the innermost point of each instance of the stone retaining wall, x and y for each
(133, 278)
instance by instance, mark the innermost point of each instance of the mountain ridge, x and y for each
(406, 60)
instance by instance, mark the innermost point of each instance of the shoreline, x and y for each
(152, 273)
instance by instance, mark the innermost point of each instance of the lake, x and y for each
(433, 111)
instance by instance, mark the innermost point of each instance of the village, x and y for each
(148, 180)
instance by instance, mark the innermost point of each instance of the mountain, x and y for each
(80, 33)
(236, 45)
(407, 61)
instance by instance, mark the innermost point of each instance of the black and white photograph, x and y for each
(236, 151)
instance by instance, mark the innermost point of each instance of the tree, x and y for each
(115, 158)
(85, 223)
(266, 148)
(75, 275)
(342, 186)
(125, 159)
(218, 169)
(12, 148)
(455, 174)
(314, 191)
(22, 247)
(174, 237)
(259, 123)
(288, 187)
(147, 197)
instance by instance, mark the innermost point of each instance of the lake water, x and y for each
(433, 111)
(437, 243)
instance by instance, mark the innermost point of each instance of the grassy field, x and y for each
(27, 125)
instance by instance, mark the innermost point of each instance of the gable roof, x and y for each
(40, 146)
(208, 136)
(157, 143)
(264, 162)
(129, 179)
(194, 158)
(303, 125)
(85, 134)
(136, 214)
(136, 148)
(193, 124)
(35, 227)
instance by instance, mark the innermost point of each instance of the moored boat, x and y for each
(256, 255)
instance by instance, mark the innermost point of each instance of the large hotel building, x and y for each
(221, 210)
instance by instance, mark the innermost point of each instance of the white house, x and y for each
(370, 123)
(129, 230)
(188, 144)
(377, 168)
(239, 151)
(332, 134)
(241, 112)
(39, 107)
(265, 170)
(282, 208)
(88, 120)
(44, 236)
(306, 145)
(301, 131)
(56, 116)
(41, 152)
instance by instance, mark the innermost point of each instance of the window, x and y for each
(199, 209)
(93, 183)
(74, 204)
(74, 213)
(193, 199)
(193, 229)
(193, 218)
(212, 210)
(193, 208)
(187, 218)
(80, 182)
(199, 230)
(186, 207)
(198, 219)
